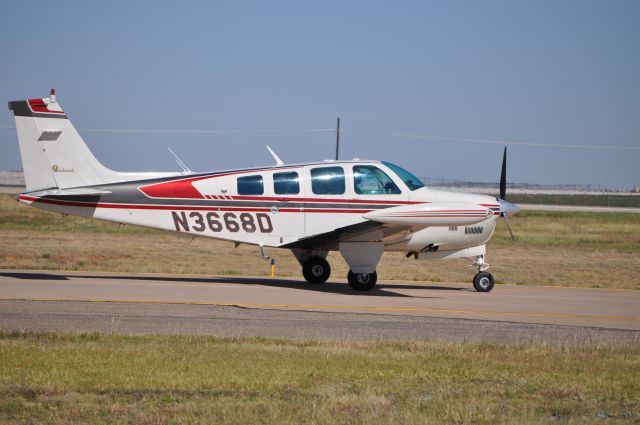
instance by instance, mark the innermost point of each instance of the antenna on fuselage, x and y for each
(179, 161)
(276, 157)
(337, 138)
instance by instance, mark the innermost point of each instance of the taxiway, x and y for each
(241, 306)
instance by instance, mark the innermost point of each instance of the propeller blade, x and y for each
(506, 220)
(506, 207)
(503, 175)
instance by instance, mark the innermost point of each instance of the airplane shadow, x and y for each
(425, 286)
(328, 287)
(381, 290)
(34, 276)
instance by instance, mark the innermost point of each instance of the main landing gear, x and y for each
(483, 280)
(316, 270)
(362, 281)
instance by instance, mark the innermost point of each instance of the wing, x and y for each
(330, 240)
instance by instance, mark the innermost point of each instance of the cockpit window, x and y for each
(370, 180)
(409, 179)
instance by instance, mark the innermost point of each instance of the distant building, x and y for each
(11, 178)
(636, 188)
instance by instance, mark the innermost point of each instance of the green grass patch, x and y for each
(94, 378)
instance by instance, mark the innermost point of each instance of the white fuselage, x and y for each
(215, 206)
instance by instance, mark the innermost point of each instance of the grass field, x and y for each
(552, 248)
(63, 378)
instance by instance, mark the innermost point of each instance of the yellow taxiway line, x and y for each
(342, 307)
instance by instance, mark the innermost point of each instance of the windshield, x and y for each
(409, 179)
(370, 180)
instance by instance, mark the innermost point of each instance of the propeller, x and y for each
(506, 208)
(503, 175)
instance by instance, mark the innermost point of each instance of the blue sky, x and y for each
(452, 73)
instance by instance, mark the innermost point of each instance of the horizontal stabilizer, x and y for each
(432, 214)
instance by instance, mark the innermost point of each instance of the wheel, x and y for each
(362, 281)
(316, 270)
(483, 282)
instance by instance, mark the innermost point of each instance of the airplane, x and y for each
(359, 208)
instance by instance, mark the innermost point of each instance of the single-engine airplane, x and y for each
(359, 208)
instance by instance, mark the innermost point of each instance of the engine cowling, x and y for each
(432, 214)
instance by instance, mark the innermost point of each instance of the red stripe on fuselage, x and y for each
(182, 207)
(195, 207)
(183, 188)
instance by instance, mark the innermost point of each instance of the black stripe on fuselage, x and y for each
(127, 200)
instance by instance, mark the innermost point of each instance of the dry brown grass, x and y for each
(562, 249)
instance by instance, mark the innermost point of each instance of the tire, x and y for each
(483, 282)
(316, 270)
(362, 281)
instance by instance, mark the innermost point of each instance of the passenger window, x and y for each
(327, 181)
(250, 185)
(286, 183)
(370, 180)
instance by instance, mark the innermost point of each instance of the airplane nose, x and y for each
(508, 207)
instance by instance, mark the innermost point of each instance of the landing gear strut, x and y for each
(483, 280)
(362, 281)
(316, 270)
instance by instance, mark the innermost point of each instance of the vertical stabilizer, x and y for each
(53, 153)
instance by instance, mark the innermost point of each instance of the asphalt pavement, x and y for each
(257, 306)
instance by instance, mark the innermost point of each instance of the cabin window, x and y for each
(250, 185)
(286, 183)
(327, 181)
(370, 180)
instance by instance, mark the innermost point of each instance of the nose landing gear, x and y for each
(483, 280)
